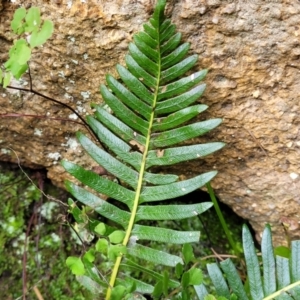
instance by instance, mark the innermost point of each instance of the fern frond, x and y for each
(151, 101)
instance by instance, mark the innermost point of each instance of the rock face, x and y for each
(252, 51)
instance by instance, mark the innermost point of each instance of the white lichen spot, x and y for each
(48, 113)
(80, 109)
(74, 61)
(72, 39)
(47, 210)
(55, 237)
(72, 143)
(294, 175)
(85, 95)
(54, 155)
(69, 4)
(68, 96)
(5, 151)
(256, 94)
(3, 95)
(67, 66)
(38, 132)
(71, 81)
(85, 56)
(61, 74)
(73, 117)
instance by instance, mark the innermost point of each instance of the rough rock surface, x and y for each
(252, 51)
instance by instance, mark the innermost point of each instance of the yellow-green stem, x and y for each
(221, 219)
(137, 192)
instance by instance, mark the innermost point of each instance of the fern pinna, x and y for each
(151, 102)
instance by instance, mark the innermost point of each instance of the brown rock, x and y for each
(252, 53)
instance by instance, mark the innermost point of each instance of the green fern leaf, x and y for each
(268, 259)
(150, 103)
(253, 268)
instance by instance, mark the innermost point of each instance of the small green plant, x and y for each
(36, 33)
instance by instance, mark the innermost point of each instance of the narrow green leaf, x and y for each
(234, 279)
(172, 156)
(147, 39)
(165, 282)
(117, 145)
(178, 69)
(158, 14)
(253, 268)
(158, 290)
(17, 22)
(128, 98)
(173, 190)
(178, 270)
(146, 63)
(108, 162)
(164, 25)
(122, 112)
(102, 207)
(135, 85)
(140, 286)
(139, 72)
(283, 272)
(171, 44)
(122, 130)
(180, 102)
(164, 235)
(150, 31)
(38, 38)
(268, 260)
(218, 280)
(177, 118)
(132, 266)
(160, 178)
(152, 255)
(188, 253)
(166, 32)
(91, 285)
(184, 133)
(282, 251)
(180, 86)
(295, 260)
(175, 57)
(185, 280)
(201, 291)
(143, 47)
(100, 184)
(1, 76)
(171, 212)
